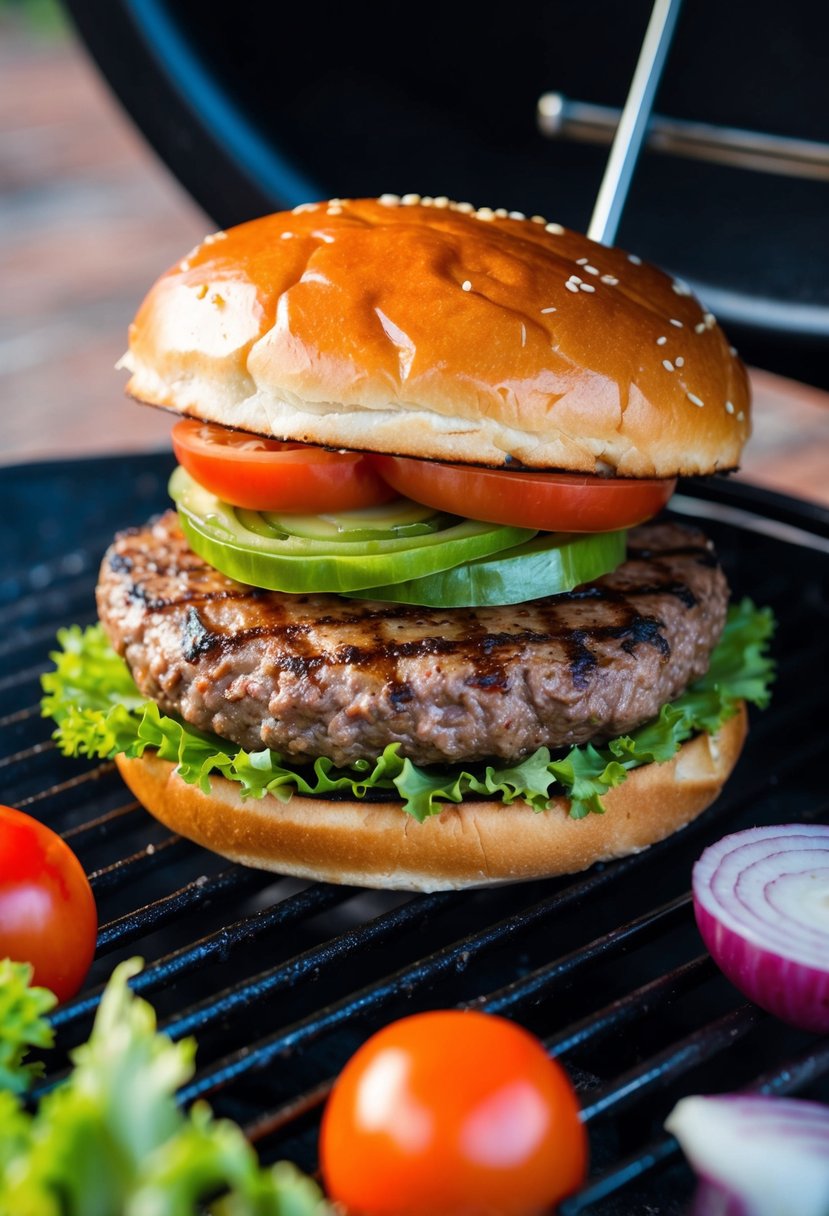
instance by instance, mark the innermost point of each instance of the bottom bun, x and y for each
(375, 844)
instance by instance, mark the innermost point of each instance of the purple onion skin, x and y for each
(755, 1154)
(710, 1199)
(794, 992)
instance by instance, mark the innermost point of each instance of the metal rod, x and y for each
(633, 123)
(559, 117)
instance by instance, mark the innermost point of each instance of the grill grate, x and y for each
(282, 980)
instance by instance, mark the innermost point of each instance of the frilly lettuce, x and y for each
(100, 713)
(112, 1141)
(22, 1025)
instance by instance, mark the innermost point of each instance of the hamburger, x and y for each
(411, 623)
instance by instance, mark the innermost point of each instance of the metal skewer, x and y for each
(633, 123)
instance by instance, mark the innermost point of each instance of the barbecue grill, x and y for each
(281, 981)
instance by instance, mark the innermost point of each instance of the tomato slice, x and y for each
(269, 475)
(452, 1113)
(551, 502)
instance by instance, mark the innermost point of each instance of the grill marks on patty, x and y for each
(319, 675)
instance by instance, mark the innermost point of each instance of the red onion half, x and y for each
(761, 899)
(755, 1155)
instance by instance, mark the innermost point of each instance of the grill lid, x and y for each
(254, 115)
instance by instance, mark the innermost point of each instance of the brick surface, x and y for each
(88, 218)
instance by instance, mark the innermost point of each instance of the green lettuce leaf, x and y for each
(100, 713)
(22, 1025)
(112, 1140)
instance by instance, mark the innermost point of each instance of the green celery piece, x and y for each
(91, 721)
(22, 1025)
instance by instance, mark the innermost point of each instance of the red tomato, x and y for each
(267, 475)
(452, 1113)
(47, 910)
(553, 502)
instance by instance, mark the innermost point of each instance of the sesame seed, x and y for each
(549, 309)
(523, 334)
(501, 212)
(700, 328)
(591, 269)
(466, 285)
(732, 350)
(426, 200)
(632, 257)
(326, 237)
(571, 286)
(201, 292)
(441, 201)
(679, 361)
(484, 213)
(692, 397)
(539, 219)
(609, 279)
(517, 215)
(582, 261)
(729, 407)
(556, 229)
(334, 210)
(741, 416)
(286, 236)
(586, 287)
(389, 200)
(661, 341)
(681, 288)
(709, 319)
(304, 207)
(574, 278)
(674, 321)
(464, 208)
(337, 202)
(410, 200)
(666, 363)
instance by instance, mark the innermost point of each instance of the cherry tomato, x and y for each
(552, 502)
(47, 910)
(268, 475)
(453, 1113)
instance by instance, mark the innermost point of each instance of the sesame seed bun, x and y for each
(471, 845)
(426, 328)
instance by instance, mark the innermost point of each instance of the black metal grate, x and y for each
(281, 980)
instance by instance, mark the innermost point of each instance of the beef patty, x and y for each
(320, 675)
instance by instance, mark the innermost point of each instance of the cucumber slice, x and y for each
(402, 517)
(247, 547)
(548, 565)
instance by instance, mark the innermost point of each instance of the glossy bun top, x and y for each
(424, 327)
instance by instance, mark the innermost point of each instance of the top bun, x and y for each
(423, 327)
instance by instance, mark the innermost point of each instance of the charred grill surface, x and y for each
(319, 675)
